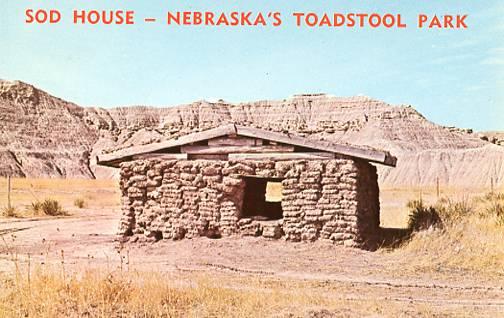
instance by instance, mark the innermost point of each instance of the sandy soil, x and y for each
(87, 239)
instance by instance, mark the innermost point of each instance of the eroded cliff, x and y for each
(44, 136)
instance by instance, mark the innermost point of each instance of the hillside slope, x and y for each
(42, 135)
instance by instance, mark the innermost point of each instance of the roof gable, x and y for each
(368, 154)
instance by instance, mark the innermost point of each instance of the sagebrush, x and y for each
(49, 207)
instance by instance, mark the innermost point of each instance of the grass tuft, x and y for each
(453, 210)
(10, 212)
(35, 208)
(497, 209)
(80, 203)
(49, 207)
(499, 196)
(423, 217)
(52, 207)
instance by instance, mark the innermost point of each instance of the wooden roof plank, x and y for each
(164, 156)
(182, 140)
(383, 157)
(234, 141)
(281, 156)
(231, 149)
(368, 154)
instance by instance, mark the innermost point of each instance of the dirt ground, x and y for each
(87, 238)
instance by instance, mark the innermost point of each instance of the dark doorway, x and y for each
(263, 198)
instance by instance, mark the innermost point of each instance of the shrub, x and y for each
(451, 210)
(10, 212)
(52, 207)
(80, 203)
(36, 208)
(422, 217)
(496, 208)
(47, 207)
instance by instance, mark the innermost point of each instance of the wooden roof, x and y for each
(322, 147)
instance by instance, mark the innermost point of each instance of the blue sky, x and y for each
(454, 77)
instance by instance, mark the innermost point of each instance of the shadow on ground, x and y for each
(389, 238)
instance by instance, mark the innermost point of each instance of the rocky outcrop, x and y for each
(495, 137)
(43, 136)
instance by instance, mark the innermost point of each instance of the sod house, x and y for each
(238, 180)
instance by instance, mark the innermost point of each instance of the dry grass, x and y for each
(47, 207)
(80, 203)
(50, 207)
(93, 194)
(393, 201)
(423, 217)
(94, 293)
(9, 212)
(496, 208)
(471, 239)
(44, 292)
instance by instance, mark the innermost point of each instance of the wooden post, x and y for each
(491, 185)
(437, 187)
(8, 192)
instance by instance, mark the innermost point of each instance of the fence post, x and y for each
(491, 185)
(437, 187)
(8, 192)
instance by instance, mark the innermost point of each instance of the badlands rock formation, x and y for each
(44, 136)
(41, 135)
